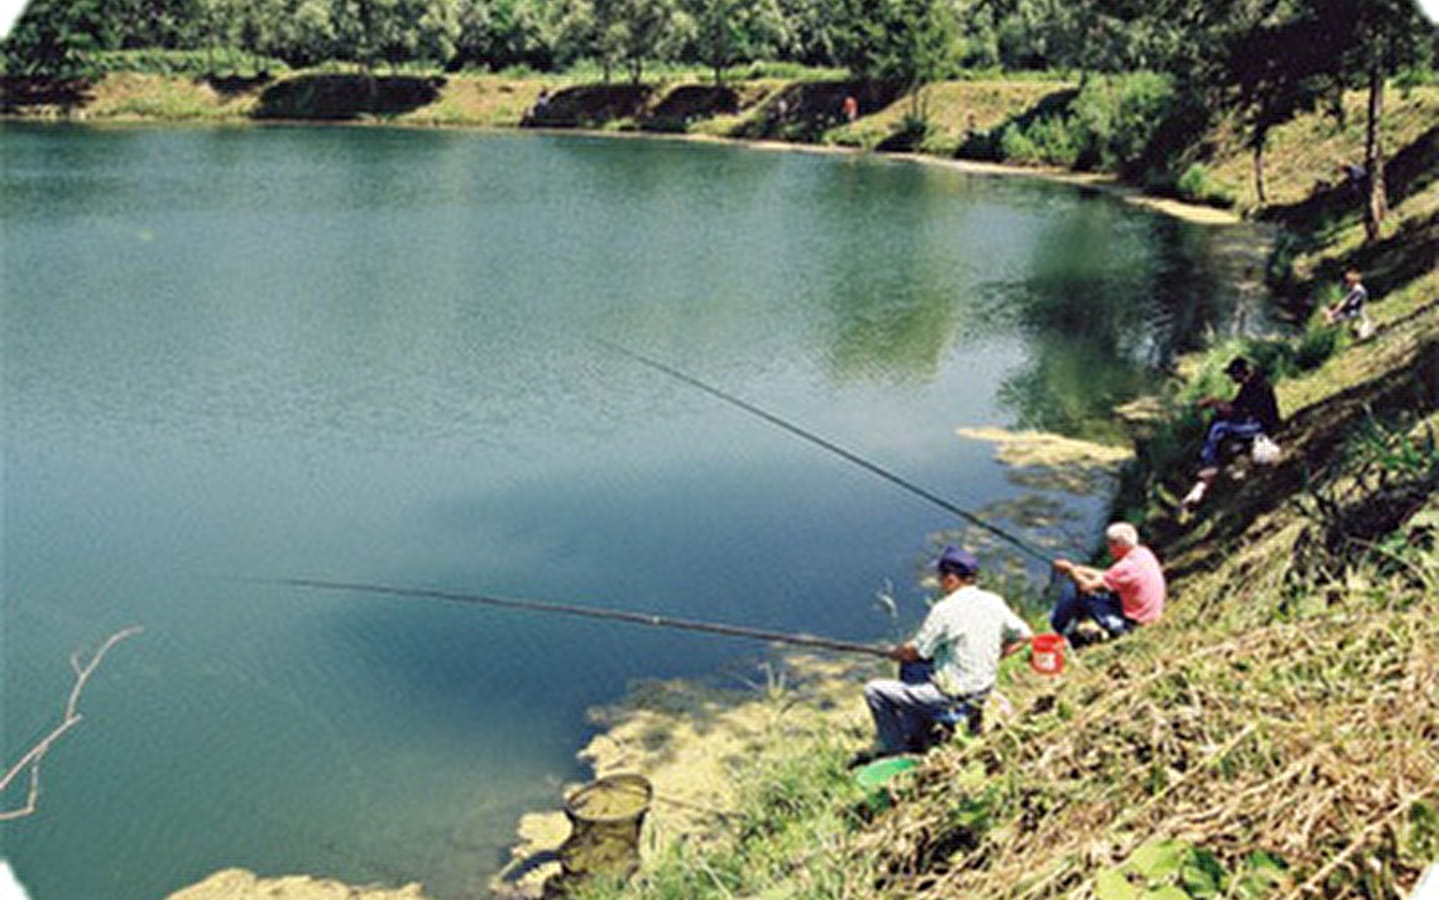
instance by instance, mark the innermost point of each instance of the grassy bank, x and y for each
(1276, 736)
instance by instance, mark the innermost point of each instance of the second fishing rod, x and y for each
(804, 434)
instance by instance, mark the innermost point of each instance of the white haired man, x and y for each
(1129, 593)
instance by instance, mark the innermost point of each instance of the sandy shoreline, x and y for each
(1194, 213)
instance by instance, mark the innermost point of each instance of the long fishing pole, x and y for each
(832, 447)
(616, 615)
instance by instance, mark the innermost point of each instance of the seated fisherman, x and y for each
(1253, 411)
(965, 635)
(1127, 594)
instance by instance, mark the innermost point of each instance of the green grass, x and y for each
(225, 61)
(1272, 735)
(799, 811)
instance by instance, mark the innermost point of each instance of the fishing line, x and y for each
(832, 447)
(617, 615)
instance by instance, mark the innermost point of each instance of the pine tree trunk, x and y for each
(1259, 188)
(1376, 207)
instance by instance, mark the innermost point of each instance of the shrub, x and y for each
(1317, 344)
(1015, 145)
(518, 71)
(1054, 138)
(1197, 185)
(1118, 116)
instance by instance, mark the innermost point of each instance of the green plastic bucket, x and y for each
(874, 779)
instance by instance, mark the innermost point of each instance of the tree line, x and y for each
(1257, 62)
(1250, 41)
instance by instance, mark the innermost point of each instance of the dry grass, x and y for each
(1308, 148)
(134, 95)
(954, 108)
(479, 100)
(1312, 742)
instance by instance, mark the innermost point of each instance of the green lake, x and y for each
(375, 355)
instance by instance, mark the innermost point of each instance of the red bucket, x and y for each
(1046, 654)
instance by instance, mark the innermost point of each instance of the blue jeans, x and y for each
(1222, 429)
(1103, 606)
(905, 712)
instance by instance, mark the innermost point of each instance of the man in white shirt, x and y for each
(963, 638)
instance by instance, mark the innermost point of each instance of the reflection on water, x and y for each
(369, 355)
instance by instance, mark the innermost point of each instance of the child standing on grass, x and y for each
(1350, 308)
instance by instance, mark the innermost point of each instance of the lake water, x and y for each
(370, 355)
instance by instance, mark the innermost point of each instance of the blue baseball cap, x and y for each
(956, 561)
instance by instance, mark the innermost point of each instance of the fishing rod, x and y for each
(616, 615)
(832, 447)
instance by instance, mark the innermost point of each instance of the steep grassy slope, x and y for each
(1276, 736)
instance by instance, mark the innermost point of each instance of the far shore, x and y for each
(498, 105)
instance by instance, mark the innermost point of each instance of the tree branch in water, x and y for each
(33, 757)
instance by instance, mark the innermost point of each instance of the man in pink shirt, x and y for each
(1128, 593)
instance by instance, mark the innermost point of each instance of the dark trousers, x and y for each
(1102, 606)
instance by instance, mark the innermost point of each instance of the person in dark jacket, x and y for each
(1254, 411)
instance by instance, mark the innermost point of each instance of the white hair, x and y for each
(1122, 533)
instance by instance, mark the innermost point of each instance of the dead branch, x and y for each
(32, 758)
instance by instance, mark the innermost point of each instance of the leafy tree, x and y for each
(1276, 72)
(1384, 36)
(153, 23)
(725, 32)
(500, 33)
(52, 37)
(862, 42)
(475, 41)
(262, 27)
(590, 29)
(646, 30)
(437, 31)
(394, 30)
(930, 30)
(909, 41)
(809, 31)
(310, 33)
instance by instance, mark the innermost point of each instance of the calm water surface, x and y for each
(370, 355)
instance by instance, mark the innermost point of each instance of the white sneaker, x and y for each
(1195, 495)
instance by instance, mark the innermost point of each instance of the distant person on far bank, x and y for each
(1350, 307)
(849, 108)
(963, 638)
(1252, 414)
(1130, 593)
